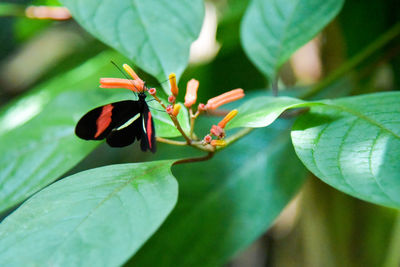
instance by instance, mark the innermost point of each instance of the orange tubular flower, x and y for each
(227, 118)
(218, 143)
(191, 93)
(131, 72)
(174, 86)
(47, 12)
(176, 110)
(225, 98)
(133, 85)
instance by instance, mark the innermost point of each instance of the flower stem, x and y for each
(178, 126)
(159, 101)
(204, 158)
(233, 138)
(175, 121)
(354, 61)
(171, 142)
(192, 121)
(393, 255)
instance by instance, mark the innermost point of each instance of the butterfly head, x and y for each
(142, 96)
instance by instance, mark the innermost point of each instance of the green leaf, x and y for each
(155, 34)
(227, 202)
(163, 123)
(37, 137)
(350, 143)
(272, 30)
(98, 217)
(262, 111)
(353, 144)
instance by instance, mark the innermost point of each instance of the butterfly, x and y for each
(121, 123)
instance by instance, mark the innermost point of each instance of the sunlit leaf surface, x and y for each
(272, 30)
(353, 144)
(98, 217)
(37, 131)
(155, 34)
(227, 202)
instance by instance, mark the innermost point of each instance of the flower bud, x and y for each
(217, 131)
(191, 93)
(176, 109)
(131, 72)
(169, 109)
(225, 98)
(227, 118)
(171, 99)
(152, 91)
(218, 143)
(174, 86)
(207, 139)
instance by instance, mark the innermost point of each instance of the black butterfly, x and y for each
(120, 123)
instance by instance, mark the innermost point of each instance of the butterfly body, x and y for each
(121, 123)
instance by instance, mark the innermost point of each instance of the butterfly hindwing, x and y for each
(126, 134)
(148, 132)
(121, 123)
(99, 122)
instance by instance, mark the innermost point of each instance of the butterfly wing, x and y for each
(99, 122)
(148, 141)
(126, 134)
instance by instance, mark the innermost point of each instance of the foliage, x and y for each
(111, 215)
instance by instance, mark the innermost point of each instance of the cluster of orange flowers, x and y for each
(138, 85)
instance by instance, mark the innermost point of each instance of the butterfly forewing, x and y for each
(121, 123)
(99, 122)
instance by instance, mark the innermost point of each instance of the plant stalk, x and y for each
(175, 121)
(204, 158)
(235, 137)
(171, 142)
(393, 254)
(355, 60)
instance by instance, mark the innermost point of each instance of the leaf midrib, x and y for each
(109, 196)
(148, 36)
(363, 117)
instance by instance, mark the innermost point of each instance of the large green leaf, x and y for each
(37, 131)
(353, 144)
(273, 29)
(227, 202)
(155, 34)
(98, 217)
(264, 110)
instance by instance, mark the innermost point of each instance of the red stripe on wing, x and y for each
(104, 120)
(149, 129)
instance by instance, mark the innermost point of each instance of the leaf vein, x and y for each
(370, 167)
(340, 150)
(363, 117)
(109, 196)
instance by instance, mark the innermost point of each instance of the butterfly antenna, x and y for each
(160, 83)
(126, 76)
(166, 80)
(157, 109)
